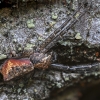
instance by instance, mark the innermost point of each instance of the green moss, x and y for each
(19, 90)
(59, 85)
(67, 79)
(35, 90)
(21, 85)
(29, 46)
(3, 56)
(52, 23)
(54, 16)
(30, 23)
(40, 39)
(78, 36)
(77, 15)
(63, 42)
(19, 49)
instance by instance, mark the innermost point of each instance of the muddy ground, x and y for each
(23, 26)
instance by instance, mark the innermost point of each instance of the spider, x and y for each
(41, 58)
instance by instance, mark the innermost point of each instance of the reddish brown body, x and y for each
(15, 67)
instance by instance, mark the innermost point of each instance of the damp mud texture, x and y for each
(24, 24)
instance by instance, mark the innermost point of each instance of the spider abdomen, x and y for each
(16, 67)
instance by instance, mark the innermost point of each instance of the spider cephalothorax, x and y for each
(41, 60)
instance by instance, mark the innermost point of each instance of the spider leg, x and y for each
(59, 67)
(54, 57)
(76, 68)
